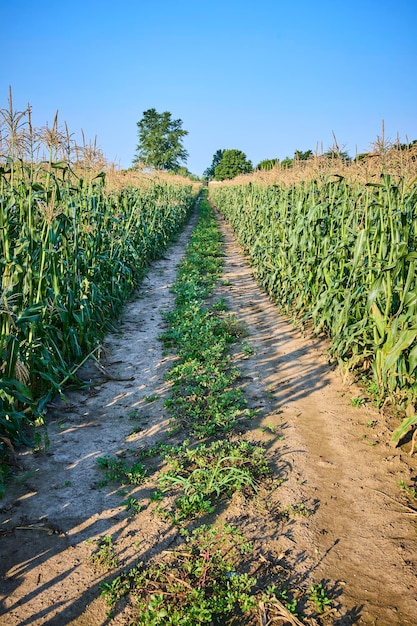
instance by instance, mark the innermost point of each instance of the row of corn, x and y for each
(344, 256)
(71, 253)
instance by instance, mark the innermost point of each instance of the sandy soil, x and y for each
(347, 522)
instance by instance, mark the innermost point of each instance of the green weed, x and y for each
(151, 398)
(220, 305)
(283, 595)
(410, 491)
(247, 349)
(156, 496)
(205, 399)
(117, 470)
(105, 556)
(318, 596)
(357, 402)
(133, 506)
(198, 583)
(204, 474)
(296, 510)
(270, 428)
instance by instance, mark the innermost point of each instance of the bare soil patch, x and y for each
(335, 512)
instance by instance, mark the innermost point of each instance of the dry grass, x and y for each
(118, 179)
(398, 163)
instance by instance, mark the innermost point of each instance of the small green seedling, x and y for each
(247, 349)
(357, 402)
(270, 428)
(410, 491)
(132, 505)
(117, 470)
(105, 556)
(151, 398)
(317, 595)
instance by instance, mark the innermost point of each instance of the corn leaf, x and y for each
(402, 430)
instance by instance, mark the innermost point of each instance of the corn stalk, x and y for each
(71, 253)
(343, 256)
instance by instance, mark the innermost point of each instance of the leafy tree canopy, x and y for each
(287, 162)
(303, 156)
(267, 164)
(210, 171)
(299, 155)
(183, 171)
(405, 146)
(233, 162)
(336, 153)
(160, 141)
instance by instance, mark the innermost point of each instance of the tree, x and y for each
(405, 146)
(210, 171)
(335, 153)
(183, 171)
(299, 155)
(267, 164)
(303, 156)
(287, 162)
(233, 162)
(160, 141)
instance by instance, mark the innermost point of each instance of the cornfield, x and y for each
(341, 254)
(71, 253)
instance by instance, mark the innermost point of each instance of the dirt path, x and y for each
(342, 523)
(342, 465)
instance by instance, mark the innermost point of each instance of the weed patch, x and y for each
(117, 470)
(195, 584)
(104, 556)
(205, 474)
(205, 399)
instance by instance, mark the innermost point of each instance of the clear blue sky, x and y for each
(266, 77)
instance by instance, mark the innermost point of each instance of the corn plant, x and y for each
(71, 253)
(342, 255)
